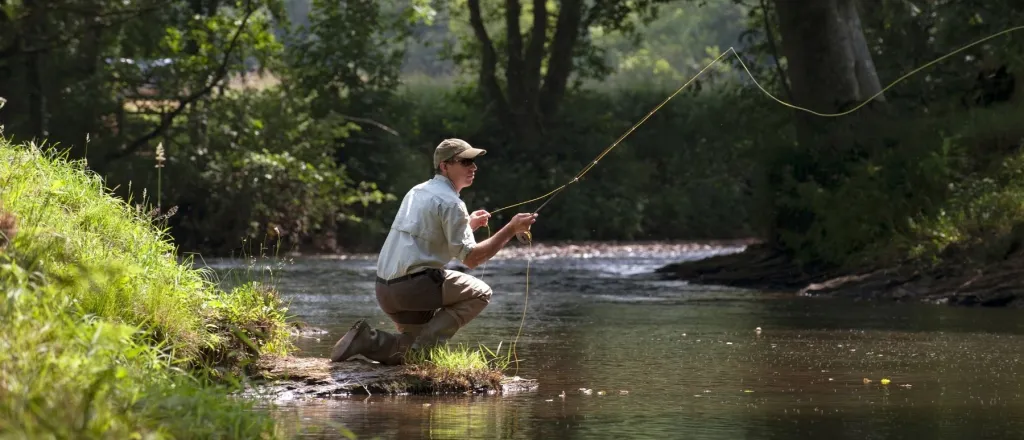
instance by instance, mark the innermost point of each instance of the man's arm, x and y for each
(486, 249)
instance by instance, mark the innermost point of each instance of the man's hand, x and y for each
(522, 221)
(487, 248)
(478, 218)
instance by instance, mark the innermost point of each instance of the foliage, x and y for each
(949, 180)
(315, 155)
(674, 46)
(104, 333)
(287, 191)
(905, 35)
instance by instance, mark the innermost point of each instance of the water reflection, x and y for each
(687, 357)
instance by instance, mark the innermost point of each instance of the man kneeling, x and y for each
(428, 303)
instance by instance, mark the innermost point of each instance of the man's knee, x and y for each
(484, 293)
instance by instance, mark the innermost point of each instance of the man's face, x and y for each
(461, 172)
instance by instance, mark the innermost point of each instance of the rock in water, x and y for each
(289, 378)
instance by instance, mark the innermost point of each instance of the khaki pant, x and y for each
(412, 302)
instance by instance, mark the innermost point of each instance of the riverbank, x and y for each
(955, 280)
(103, 333)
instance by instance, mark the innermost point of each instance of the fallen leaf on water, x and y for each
(867, 381)
(623, 392)
(885, 381)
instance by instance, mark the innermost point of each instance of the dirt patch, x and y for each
(8, 228)
(289, 378)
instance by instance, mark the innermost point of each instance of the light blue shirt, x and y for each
(430, 229)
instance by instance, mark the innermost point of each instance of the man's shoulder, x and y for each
(428, 193)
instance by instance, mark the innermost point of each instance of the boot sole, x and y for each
(340, 351)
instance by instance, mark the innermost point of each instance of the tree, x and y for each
(830, 69)
(538, 66)
(829, 64)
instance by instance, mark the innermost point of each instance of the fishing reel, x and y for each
(524, 237)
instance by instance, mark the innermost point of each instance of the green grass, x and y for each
(103, 332)
(458, 367)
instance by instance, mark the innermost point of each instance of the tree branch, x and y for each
(774, 50)
(535, 50)
(371, 122)
(567, 31)
(168, 118)
(488, 64)
(514, 72)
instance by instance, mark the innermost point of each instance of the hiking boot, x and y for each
(372, 344)
(438, 330)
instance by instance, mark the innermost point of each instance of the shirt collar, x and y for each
(446, 182)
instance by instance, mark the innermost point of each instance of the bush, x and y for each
(953, 179)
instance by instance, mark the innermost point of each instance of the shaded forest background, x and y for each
(301, 123)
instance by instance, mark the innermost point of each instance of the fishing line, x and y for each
(527, 237)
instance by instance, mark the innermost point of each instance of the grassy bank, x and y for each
(103, 332)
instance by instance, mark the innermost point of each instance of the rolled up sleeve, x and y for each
(455, 222)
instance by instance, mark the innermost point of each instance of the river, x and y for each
(666, 359)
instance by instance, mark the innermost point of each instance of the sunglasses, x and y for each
(464, 162)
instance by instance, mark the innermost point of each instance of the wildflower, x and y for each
(160, 158)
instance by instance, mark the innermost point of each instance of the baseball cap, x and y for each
(450, 148)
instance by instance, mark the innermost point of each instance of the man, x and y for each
(426, 302)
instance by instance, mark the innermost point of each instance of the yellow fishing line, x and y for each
(526, 300)
(593, 163)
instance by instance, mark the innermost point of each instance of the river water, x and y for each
(665, 359)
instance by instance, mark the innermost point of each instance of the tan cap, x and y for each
(450, 148)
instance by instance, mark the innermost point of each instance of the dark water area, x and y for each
(666, 359)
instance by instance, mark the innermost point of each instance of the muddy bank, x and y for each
(954, 281)
(290, 378)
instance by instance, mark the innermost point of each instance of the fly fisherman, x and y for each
(427, 302)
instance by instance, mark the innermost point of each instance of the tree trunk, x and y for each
(489, 86)
(830, 67)
(830, 70)
(567, 32)
(527, 103)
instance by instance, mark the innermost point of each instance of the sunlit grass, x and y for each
(103, 331)
(459, 367)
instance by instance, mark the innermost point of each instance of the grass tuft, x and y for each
(460, 367)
